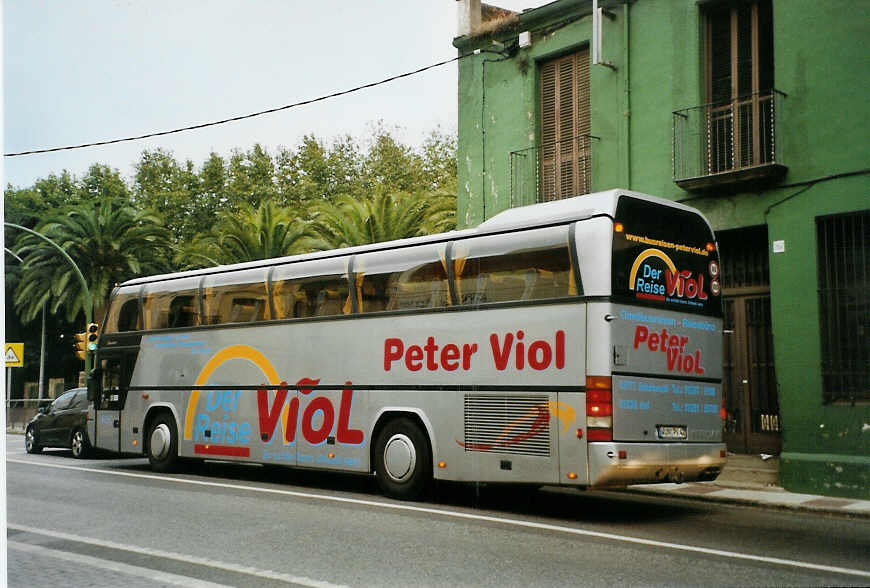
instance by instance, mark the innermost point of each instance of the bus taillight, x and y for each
(599, 409)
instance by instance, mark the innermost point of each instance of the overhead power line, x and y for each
(244, 116)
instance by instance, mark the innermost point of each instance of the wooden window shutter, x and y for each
(565, 126)
(739, 72)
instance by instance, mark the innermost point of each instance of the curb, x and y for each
(768, 497)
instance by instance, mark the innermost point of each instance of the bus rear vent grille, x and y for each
(507, 424)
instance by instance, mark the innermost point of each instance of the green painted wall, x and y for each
(820, 61)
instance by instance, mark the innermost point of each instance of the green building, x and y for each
(756, 112)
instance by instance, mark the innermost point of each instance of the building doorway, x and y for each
(749, 387)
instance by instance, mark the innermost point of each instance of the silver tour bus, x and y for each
(575, 343)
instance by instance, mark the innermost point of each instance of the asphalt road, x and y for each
(111, 521)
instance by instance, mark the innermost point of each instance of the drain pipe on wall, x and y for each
(626, 85)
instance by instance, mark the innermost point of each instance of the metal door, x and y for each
(749, 377)
(115, 369)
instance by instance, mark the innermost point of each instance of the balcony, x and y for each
(730, 144)
(552, 171)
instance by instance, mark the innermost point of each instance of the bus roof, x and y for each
(543, 214)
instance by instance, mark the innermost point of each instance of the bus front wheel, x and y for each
(163, 443)
(403, 462)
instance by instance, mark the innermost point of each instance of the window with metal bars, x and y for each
(739, 76)
(565, 126)
(843, 242)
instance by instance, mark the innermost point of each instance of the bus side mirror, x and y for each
(94, 383)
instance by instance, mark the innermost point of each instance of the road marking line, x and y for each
(477, 517)
(87, 560)
(189, 559)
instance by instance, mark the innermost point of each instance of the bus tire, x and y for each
(79, 444)
(163, 443)
(403, 461)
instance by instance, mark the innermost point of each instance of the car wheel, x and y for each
(163, 444)
(403, 461)
(31, 442)
(79, 444)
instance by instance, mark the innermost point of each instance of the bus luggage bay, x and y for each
(575, 342)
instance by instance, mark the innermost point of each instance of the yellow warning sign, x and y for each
(14, 355)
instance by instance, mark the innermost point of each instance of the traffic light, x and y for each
(93, 335)
(80, 345)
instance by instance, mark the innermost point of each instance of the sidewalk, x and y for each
(751, 480)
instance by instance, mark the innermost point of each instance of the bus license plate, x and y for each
(672, 431)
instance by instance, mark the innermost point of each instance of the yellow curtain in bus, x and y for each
(458, 266)
(348, 304)
(278, 298)
(442, 255)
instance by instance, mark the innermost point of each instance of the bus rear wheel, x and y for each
(163, 444)
(403, 461)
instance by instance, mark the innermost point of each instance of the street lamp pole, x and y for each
(89, 305)
(42, 341)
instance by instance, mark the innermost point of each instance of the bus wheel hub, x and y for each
(160, 439)
(400, 457)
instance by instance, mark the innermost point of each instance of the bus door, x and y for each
(115, 371)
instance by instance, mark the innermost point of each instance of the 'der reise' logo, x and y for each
(654, 276)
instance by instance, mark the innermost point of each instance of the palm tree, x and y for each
(350, 221)
(249, 234)
(109, 242)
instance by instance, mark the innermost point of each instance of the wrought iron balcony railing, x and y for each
(552, 171)
(728, 142)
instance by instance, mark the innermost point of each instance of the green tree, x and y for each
(101, 182)
(109, 242)
(391, 166)
(251, 177)
(249, 234)
(382, 217)
(439, 161)
(28, 206)
(164, 185)
(314, 172)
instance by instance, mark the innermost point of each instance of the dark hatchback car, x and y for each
(63, 423)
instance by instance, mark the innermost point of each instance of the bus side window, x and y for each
(315, 288)
(183, 312)
(410, 278)
(532, 265)
(128, 317)
(290, 300)
(172, 304)
(235, 297)
(123, 312)
(332, 298)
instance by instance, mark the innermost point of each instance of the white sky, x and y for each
(91, 70)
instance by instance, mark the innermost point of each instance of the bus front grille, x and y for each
(517, 425)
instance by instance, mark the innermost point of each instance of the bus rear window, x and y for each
(665, 257)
